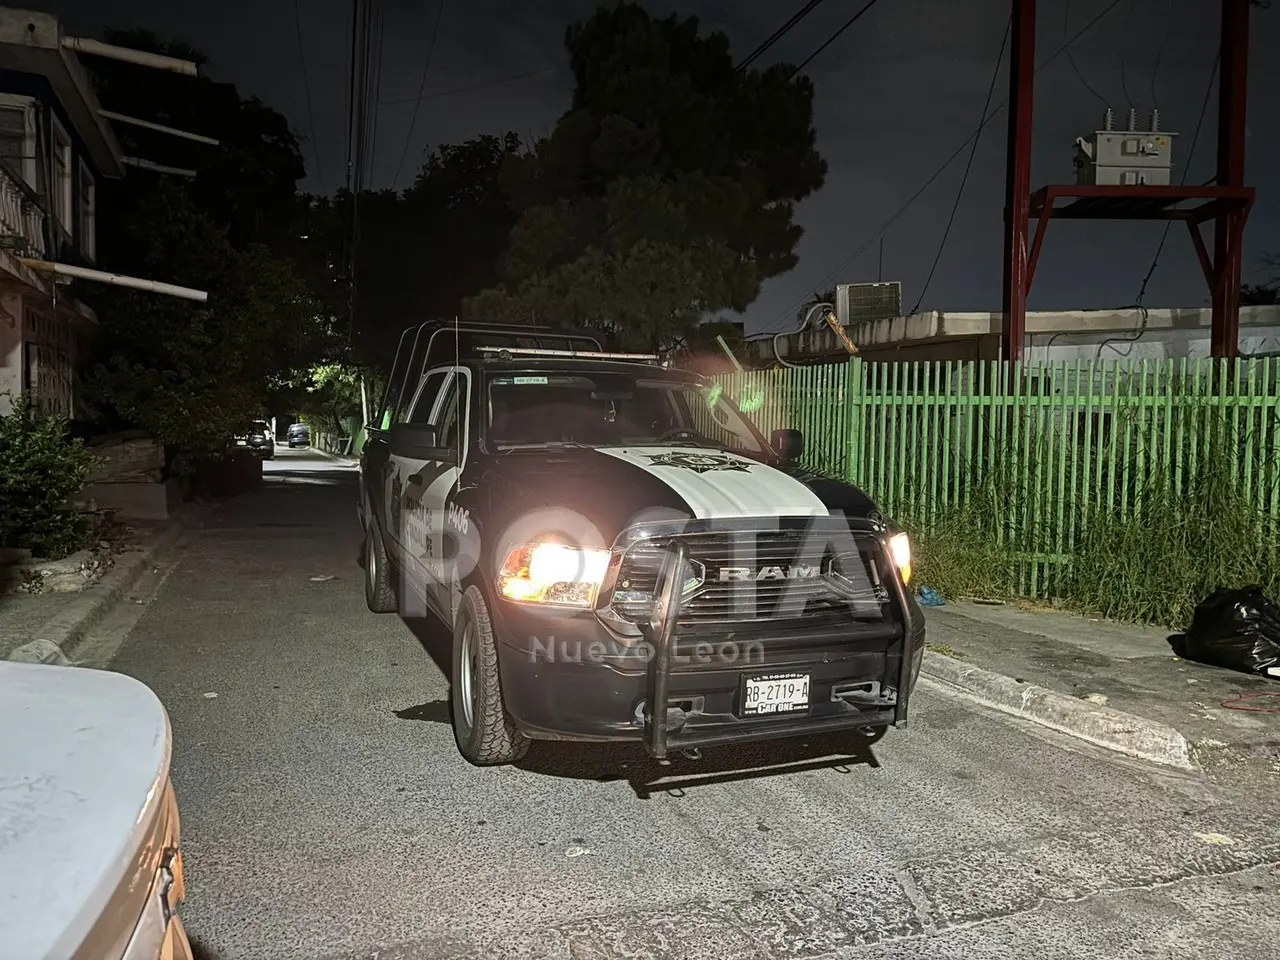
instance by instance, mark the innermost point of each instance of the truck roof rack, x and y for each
(590, 354)
(414, 353)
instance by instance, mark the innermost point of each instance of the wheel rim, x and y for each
(371, 561)
(467, 674)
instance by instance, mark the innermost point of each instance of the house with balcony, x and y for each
(57, 144)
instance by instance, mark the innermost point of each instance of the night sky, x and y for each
(896, 95)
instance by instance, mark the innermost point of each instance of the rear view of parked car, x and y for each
(257, 439)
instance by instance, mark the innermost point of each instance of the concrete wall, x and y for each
(1052, 336)
(10, 350)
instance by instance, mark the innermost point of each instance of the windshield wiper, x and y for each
(689, 439)
(547, 445)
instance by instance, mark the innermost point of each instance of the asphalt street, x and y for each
(327, 814)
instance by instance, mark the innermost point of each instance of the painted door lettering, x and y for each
(459, 519)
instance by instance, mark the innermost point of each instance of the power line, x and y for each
(973, 151)
(1164, 44)
(1066, 27)
(422, 85)
(473, 87)
(1186, 169)
(1124, 45)
(375, 88)
(306, 88)
(778, 34)
(875, 235)
(357, 128)
(832, 39)
(352, 86)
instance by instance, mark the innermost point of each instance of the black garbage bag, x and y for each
(1237, 629)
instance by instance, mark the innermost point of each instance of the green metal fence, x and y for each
(1048, 448)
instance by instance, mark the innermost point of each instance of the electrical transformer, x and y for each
(1129, 157)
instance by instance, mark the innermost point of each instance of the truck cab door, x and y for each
(411, 483)
(454, 435)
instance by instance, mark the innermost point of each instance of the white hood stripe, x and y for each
(723, 486)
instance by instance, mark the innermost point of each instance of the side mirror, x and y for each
(418, 441)
(789, 444)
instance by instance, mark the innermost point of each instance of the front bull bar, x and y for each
(660, 632)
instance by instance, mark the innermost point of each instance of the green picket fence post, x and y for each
(855, 425)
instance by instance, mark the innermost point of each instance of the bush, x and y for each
(40, 467)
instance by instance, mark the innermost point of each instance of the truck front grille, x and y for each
(742, 576)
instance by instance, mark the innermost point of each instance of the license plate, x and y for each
(240, 443)
(775, 693)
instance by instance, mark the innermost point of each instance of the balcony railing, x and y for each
(22, 217)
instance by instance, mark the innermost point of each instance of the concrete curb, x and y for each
(349, 461)
(67, 629)
(1099, 725)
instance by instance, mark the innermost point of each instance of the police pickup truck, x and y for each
(620, 555)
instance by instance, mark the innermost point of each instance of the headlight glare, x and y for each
(900, 551)
(553, 573)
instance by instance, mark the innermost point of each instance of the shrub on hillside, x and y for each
(41, 466)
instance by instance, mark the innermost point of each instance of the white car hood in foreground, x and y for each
(84, 761)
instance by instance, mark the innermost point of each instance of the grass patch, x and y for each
(1148, 554)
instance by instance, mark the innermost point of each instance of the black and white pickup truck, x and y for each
(602, 533)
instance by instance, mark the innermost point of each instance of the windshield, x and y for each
(613, 409)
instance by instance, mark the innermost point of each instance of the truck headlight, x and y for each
(553, 573)
(900, 551)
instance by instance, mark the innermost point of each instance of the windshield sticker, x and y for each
(699, 462)
(529, 380)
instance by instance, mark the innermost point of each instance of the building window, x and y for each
(87, 201)
(62, 182)
(18, 137)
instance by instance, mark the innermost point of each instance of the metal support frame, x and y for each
(1228, 227)
(1227, 203)
(158, 127)
(1017, 191)
(1148, 203)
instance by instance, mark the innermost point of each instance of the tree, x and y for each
(247, 184)
(193, 373)
(665, 193)
(1257, 294)
(419, 253)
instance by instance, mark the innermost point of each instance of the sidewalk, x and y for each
(340, 458)
(1117, 685)
(64, 618)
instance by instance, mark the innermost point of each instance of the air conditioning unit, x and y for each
(863, 302)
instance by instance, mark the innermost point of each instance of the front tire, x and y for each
(484, 731)
(379, 592)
